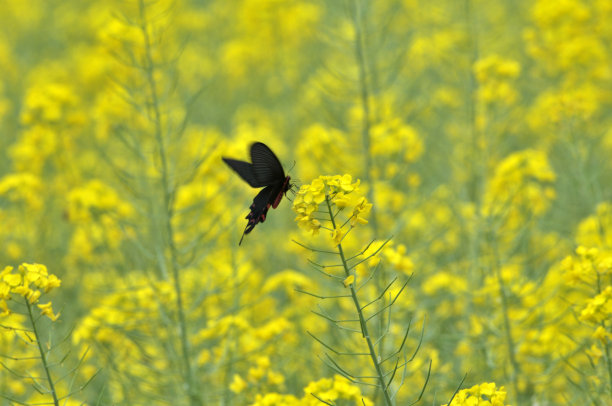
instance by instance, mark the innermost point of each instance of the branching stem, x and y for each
(364, 327)
(149, 69)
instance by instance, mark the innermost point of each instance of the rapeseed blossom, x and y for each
(339, 191)
(485, 394)
(599, 308)
(30, 281)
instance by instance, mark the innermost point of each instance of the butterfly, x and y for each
(265, 171)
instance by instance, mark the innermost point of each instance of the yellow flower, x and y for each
(349, 281)
(12, 280)
(238, 384)
(5, 291)
(485, 394)
(47, 310)
(38, 275)
(22, 188)
(393, 136)
(274, 378)
(361, 210)
(337, 235)
(4, 310)
(337, 388)
(602, 335)
(51, 283)
(520, 188)
(599, 308)
(341, 200)
(595, 352)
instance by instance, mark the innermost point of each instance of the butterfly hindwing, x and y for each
(259, 208)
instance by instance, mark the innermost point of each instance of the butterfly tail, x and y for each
(246, 231)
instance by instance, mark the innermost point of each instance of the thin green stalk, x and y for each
(43, 357)
(507, 325)
(365, 105)
(194, 398)
(362, 321)
(479, 161)
(230, 346)
(360, 56)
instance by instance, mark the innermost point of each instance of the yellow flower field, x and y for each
(445, 236)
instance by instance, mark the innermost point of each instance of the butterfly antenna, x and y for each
(292, 166)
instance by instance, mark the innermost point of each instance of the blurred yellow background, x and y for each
(480, 132)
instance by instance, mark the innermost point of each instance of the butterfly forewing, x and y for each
(245, 170)
(266, 166)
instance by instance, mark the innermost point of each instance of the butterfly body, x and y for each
(264, 170)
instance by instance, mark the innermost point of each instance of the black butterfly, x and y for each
(266, 170)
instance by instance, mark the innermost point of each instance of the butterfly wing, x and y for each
(259, 207)
(267, 168)
(245, 170)
(279, 195)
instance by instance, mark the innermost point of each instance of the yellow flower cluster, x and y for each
(596, 230)
(98, 213)
(47, 103)
(485, 394)
(318, 143)
(31, 281)
(336, 388)
(568, 37)
(599, 308)
(396, 256)
(94, 199)
(339, 191)
(22, 188)
(328, 389)
(587, 267)
(262, 371)
(495, 75)
(394, 136)
(521, 185)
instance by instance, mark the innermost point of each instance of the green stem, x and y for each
(365, 105)
(507, 325)
(360, 56)
(167, 195)
(362, 321)
(43, 357)
(479, 163)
